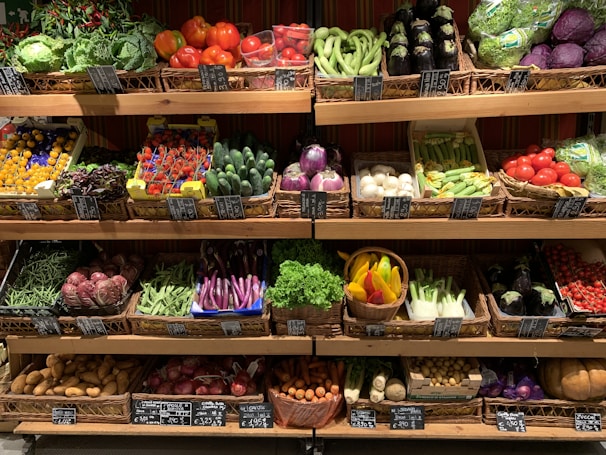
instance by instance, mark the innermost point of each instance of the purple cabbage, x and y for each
(575, 25)
(538, 60)
(567, 55)
(595, 48)
(541, 49)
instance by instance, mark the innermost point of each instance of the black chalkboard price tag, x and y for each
(146, 412)
(105, 79)
(209, 414)
(581, 332)
(375, 330)
(368, 88)
(229, 207)
(86, 207)
(46, 325)
(396, 207)
(434, 83)
(91, 326)
(182, 208)
(363, 418)
(231, 328)
(313, 204)
(465, 208)
(532, 327)
(569, 207)
(407, 418)
(214, 78)
(447, 327)
(588, 421)
(517, 81)
(160, 412)
(256, 415)
(285, 79)
(176, 329)
(296, 327)
(29, 210)
(64, 416)
(511, 421)
(12, 82)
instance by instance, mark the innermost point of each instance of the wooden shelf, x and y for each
(147, 345)
(474, 347)
(231, 429)
(341, 429)
(174, 103)
(263, 228)
(443, 228)
(498, 105)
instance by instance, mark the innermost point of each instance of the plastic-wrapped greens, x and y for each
(538, 16)
(505, 50)
(491, 17)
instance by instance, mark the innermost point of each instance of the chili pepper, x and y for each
(194, 31)
(185, 57)
(223, 34)
(215, 55)
(168, 42)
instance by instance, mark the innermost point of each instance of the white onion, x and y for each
(382, 168)
(407, 187)
(405, 178)
(369, 190)
(367, 180)
(363, 172)
(390, 192)
(380, 191)
(379, 177)
(391, 182)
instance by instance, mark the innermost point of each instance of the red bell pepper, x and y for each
(223, 34)
(215, 55)
(185, 57)
(168, 42)
(376, 297)
(194, 31)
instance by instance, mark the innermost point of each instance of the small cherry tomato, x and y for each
(524, 172)
(265, 51)
(532, 148)
(541, 161)
(561, 168)
(510, 161)
(550, 151)
(570, 179)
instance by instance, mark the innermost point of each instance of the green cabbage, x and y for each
(40, 54)
(91, 50)
(133, 51)
(505, 50)
(491, 17)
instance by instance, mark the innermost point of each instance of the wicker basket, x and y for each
(463, 272)
(504, 325)
(63, 209)
(542, 413)
(109, 409)
(288, 203)
(369, 311)
(318, 322)
(57, 82)
(440, 412)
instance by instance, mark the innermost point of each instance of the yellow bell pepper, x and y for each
(384, 268)
(358, 261)
(378, 283)
(396, 281)
(357, 291)
(343, 255)
(361, 271)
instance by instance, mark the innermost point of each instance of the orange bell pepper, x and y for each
(223, 34)
(194, 31)
(215, 55)
(168, 42)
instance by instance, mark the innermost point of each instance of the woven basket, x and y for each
(464, 274)
(288, 203)
(318, 322)
(504, 325)
(109, 409)
(542, 413)
(440, 412)
(57, 82)
(369, 311)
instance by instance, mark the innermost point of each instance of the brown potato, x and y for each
(90, 376)
(57, 370)
(42, 387)
(18, 384)
(93, 392)
(68, 382)
(110, 389)
(34, 377)
(75, 392)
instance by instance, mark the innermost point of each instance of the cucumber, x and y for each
(266, 182)
(230, 168)
(270, 164)
(260, 166)
(269, 171)
(218, 155)
(246, 188)
(264, 156)
(230, 177)
(221, 175)
(243, 172)
(212, 182)
(246, 152)
(250, 163)
(224, 187)
(256, 181)
(226, 160)
(236, 157)
(236, 185)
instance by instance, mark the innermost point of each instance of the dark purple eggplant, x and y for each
(423, 60)
(399, 61)
(498, 289)
(495, 274)
(442, 16)
(448, 56)
(522, 281)
(419, 26)
(397, 27)
(424, 39)
(399, 39)
(425, 9)
(444, 33)
(541, 302)
(405, 13)
(512, 303)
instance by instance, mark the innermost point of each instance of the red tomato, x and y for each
(570, 179)
(265, 51)
(280, 44)
(509, 162)
(524, 160)
(250, 44)
(541, 161)
(531, 155)
(532, 148)
(302, 46)
(546, 175)
(550, 151)
(524, 172)
(561, 168)
(288, 52)
(279, 30)
(299, 58)
(294, 24)
(511, 171)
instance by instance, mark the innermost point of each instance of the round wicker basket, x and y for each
(370, 311)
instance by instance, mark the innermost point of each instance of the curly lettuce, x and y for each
(90, 50)
(491, 17)
(539, 16)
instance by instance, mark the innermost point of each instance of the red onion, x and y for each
(313, 159)
(327, 180)
(294, 179)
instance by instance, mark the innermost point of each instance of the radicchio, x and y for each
(106, 293)
(119, 260)
(69, 292)
(85, 292)
(75, 278)
(121, 282)
(98, 276)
